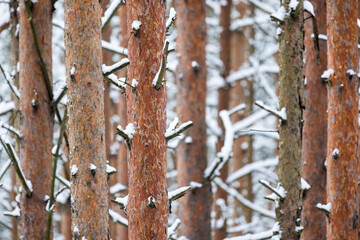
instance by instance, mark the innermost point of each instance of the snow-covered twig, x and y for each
(107, 70)
(280, 192)
(6, 107)
(13, 213)
(110, 12)
(114, 49)
(117, 218)
(174, 131)
(158, 79)
(11, 129)
(122, 202)
(178, 193)
(243, 200)
(15, 161)
(172, 229)
(326, 208)
(127, 133)
(170, 21)
(9, 82)
(64, 181)
(280, 114)
(248, 168)
(117, 188)
(236, 109)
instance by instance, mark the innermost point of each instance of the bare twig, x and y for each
(158, 80)
(12, 87)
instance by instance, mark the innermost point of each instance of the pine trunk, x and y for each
(291, 80)
(89, 189)
(146, 109)
(342, 145)
(36, 117)
(122, 156)
(223, 104)
(195, 207)
(315, 127)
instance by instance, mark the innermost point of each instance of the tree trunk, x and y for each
(195, 207)
(15, 120)
(223, 104)
(146, 108)
(342, 145)
(122, 175)
(36, 118)
(89, 189)
(291, 81)
(315, 128)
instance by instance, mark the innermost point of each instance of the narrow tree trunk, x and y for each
(195, 207)
(122, 156)
(36, 119)
(291, 80)
(223, 104)
(15, 120)
(315, 128)
(342, 146)
(148, 203)
(89, 189)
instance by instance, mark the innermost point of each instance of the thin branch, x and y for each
(57, 100)
(158, 79)
(117, 218)
(4, 26)
(15, 161)
(64, 181)
(122, 202)
(11, 129)
(277, 191)
(12, 87)
(52, 190)
(37, 44)
(280, 114)
(114, 49)
(107, 70)
(178, 193)
(110, 12)
(170, 21)
(172, 133)
(6, 107)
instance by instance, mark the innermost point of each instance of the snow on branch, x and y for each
(174, 131)
(126, 134)
(11, 129)
(172, 229)
(16, 163)
(170, 21)
(118, 82)
(114, 49)
(117, 218)
(250, 120)
(122, 202)
(236, 109)
(107, 70)
(63, 181)
(117, 188)
(231, 191)
(14, 213)
(6, 107)
(248, 168)
(178, 193)
(110, 12)
(309, 7)
(324, 208)
(250, 71)
(158, 79)
(279, 191)
(280, 114)
(9, 82)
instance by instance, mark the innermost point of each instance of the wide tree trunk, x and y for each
(291, 81)
(223, 104)
(195, 207)
(36, 117)
(122, 156)
(315, 127)
(89, 189)
(342, 145)
(146, 106)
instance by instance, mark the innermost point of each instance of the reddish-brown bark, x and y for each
(195, 207)
(36, 118)
(122, 156)
(315, 128)
(14, 58)
(223, 104)
(146, 108)
(342, 167)
(86, 119)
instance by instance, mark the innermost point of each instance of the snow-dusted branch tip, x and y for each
(110, 12)
(117, 218)
(127, 133)
(172, 17)
(174, 131)
(107, 70)
(280, 191)
(280, 114)
(122, 202)
(158, 79)
(324, 208)
(178, 193)
(172, 229)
